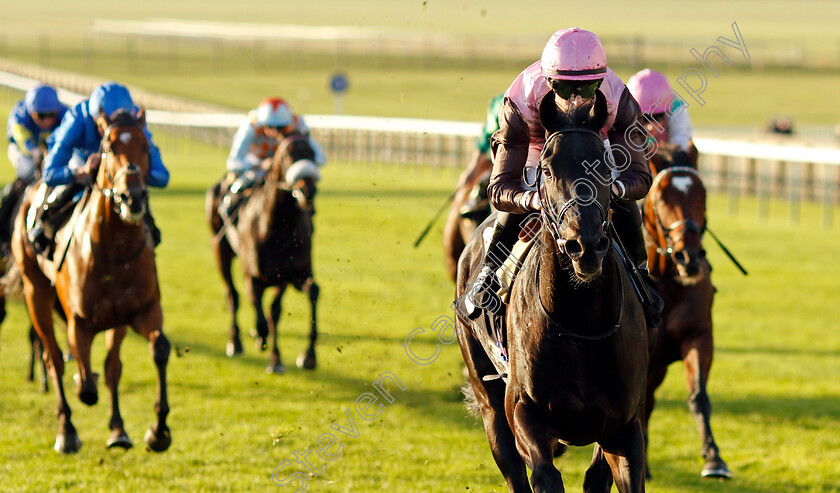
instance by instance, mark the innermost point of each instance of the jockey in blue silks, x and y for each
(73, 158)
(31, 121)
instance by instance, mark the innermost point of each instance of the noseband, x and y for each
(690, 225)
(546, 210)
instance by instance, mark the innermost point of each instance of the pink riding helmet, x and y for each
(574, 54)
(647, 86)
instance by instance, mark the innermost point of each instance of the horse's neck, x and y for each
(583, 306)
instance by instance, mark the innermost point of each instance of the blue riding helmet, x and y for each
(42, 99)
(109, 98)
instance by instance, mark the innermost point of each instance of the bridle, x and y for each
(554, 220)
(689, 225)
(130, 170)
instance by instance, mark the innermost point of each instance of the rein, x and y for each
(690, 224)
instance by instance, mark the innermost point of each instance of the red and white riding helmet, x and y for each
(274, 112)
(574, 54)
(647, 86)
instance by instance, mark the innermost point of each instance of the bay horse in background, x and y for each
(469, 208)
(674, 220)
(105, 278)
(576, 336)
(272, 236)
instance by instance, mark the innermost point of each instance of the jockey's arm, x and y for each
(242, 140)
(480, 164)
(679, 128)
(24, 139)
(158, 174)
(634, 177)
(68, 136)
(510, 150)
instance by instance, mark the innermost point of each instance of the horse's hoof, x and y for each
(233, 349)
(716, 469)
(277, 369)
(69, 443)
(260, 343)
(157, 441)
(119, 440)
(306, 360)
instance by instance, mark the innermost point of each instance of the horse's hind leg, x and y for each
(224, 260)
(36, 349)
(697, 361)
(656, 374)
(275, 365)
(113, 370)
(307, 359)
(490, 397)
(150, 326)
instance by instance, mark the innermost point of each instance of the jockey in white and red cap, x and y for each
(573, 67)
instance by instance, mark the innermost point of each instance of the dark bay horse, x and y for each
(106, 282)
(675, 219)
(576, 338)
(272, 237)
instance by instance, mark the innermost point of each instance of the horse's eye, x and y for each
(547, 172)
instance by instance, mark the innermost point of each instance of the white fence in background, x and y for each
(792, 172)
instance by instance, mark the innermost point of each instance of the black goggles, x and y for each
(47, 114)
(566, 88)
(657, 117)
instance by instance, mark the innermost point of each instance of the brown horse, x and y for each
(576, 336)
(675, 219)
(106, 281)
(469, 208)
(273, 239)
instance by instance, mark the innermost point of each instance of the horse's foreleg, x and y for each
(113, 370)
(598, 478)
(40, 310)
(224, 260)
(535, 443)
(697, 361)
(308, 359)
(257, 288)
(80, 337)
(625, 454)
(274, 364)
(150, 326)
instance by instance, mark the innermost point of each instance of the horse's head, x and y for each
(575, 183)
(125, 163)
(675, 209)
(294, 164)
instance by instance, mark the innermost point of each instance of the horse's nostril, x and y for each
(702, 253)
(602, 246)
(573, 248)
(681, 257)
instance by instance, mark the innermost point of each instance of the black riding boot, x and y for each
(628, 223)
(153, 229)
(482, 293)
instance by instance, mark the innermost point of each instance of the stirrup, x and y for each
(483, 288)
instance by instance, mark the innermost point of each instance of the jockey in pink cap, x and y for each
(572, 69)
(665, 113)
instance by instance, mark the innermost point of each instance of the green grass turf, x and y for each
(237, 75)
(773, 384)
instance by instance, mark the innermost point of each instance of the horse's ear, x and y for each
(141, 116)
(551, 118)
(598, 114)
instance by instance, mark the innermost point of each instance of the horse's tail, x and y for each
(470, 401)
(11, 281)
